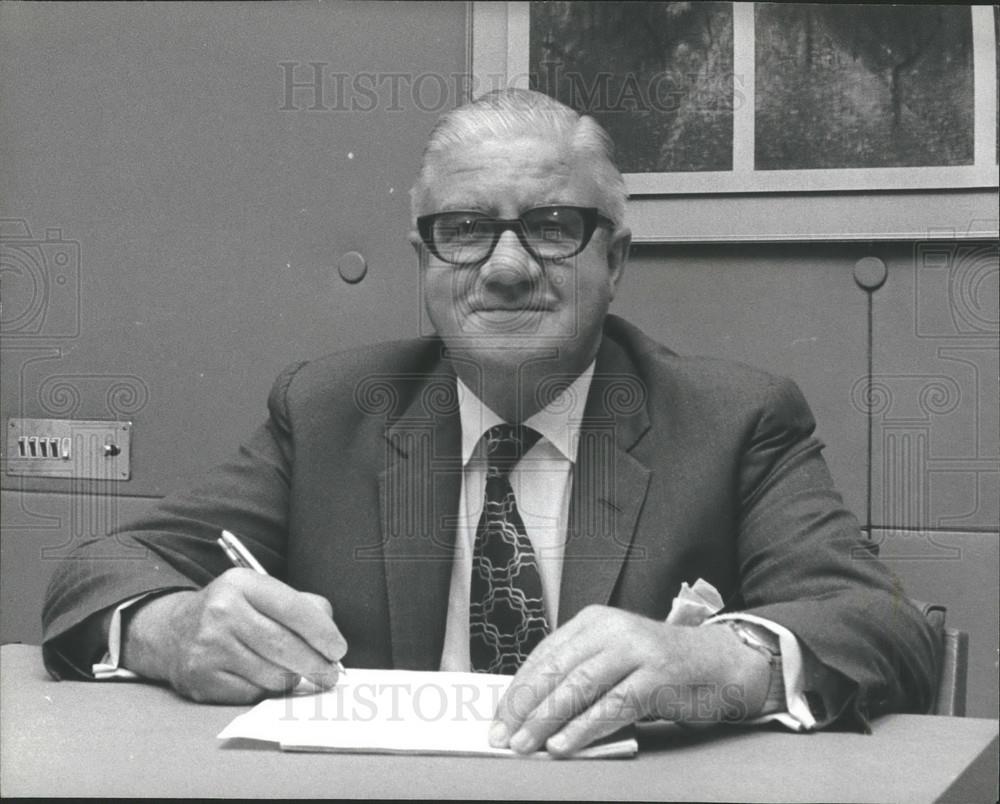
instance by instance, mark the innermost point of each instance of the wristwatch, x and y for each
(766, 643)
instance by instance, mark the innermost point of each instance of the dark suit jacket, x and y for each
(687, 468)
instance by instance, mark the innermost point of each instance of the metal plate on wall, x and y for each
(69, 448)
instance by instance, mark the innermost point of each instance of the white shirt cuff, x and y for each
(798, 716)
(108, 668)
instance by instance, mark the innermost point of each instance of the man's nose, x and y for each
(510, 263)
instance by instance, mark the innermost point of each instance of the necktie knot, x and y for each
(505, 446)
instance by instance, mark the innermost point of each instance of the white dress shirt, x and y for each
(542, 481)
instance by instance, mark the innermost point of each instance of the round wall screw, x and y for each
(870, 273)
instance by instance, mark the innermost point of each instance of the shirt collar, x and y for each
(559, 421)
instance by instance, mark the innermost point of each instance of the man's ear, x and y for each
(415, 240)
(618, 245)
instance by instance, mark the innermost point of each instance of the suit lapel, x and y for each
(418, 494)
(609, 484)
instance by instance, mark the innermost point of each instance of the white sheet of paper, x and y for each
(393, 711)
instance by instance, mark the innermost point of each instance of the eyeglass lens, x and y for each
(550, 232)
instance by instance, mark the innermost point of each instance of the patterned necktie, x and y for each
(506, 618)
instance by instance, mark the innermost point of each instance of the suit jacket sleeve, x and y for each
(174, 546)
(803, 564)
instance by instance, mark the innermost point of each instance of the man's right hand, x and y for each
(241, 638)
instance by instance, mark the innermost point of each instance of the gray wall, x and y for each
(210, 221)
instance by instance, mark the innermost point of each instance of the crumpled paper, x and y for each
(695, 604)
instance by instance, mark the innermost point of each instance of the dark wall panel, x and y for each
(792, 310)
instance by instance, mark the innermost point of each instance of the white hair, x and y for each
(507, 113)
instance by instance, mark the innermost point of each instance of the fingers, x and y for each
(246, 636)
(562, 677)
(278, 647)
(242, 678)
(228, 687)
(543, 671)
(224, 688)
(592, 676)
(583, 691)
(299, 612)
(619, 707)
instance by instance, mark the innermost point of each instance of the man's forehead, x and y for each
(532, 168)
(527, 145)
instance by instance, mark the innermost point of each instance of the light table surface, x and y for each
(129, 739)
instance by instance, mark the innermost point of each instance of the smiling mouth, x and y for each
(511, 310)
(510, 318)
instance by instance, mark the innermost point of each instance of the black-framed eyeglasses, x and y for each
(462, 237)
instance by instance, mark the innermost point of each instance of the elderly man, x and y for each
(526, 492)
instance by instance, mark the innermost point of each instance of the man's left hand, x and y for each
(607, 668)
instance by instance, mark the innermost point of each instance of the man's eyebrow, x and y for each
(486, 209)
(468, 207)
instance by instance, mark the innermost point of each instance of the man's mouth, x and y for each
(512, 308)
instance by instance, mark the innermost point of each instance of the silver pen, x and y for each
(239, 556)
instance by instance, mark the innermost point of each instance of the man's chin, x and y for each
(505, 339)
(506, 330)
(512, 351)
(506, 349)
